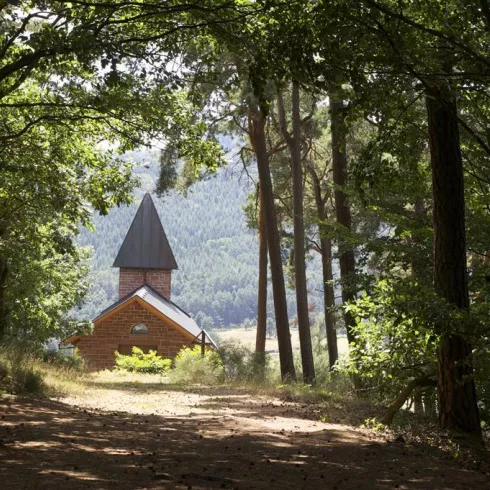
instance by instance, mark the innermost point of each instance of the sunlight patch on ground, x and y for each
(79, 475)
(36, 444)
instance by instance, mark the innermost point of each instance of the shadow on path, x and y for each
(49, 444)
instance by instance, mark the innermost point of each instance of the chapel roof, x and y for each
(146, 246)
(166, 307)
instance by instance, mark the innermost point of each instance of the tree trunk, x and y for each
(257, 133)
(347, 260)
(329, 301)
(418, 268)
(418, 405)
(456, 387)
(429, 400)
(403, 396)
(3, 308)
(328, 291)
(418, 262)
(262, 288)
(294, 144)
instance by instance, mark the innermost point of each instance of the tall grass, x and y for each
(23, 371)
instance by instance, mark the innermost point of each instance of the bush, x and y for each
(242, 364)
(191, 367)
(20, 378)
(28, 380)
(70, 361)
(139, 362)
(24, 370)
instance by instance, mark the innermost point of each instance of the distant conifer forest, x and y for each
(216, 252)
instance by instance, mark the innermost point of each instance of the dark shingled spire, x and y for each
(146, 245)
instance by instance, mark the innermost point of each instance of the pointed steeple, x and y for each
(146, 245)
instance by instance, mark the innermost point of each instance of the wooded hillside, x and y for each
(216, 253)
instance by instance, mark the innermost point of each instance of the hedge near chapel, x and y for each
(144, 316)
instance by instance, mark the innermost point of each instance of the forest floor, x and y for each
(149, 435)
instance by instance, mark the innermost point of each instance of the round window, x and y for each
(139, 328)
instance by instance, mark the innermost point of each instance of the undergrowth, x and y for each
(139, 362)
(191, 367)
(26, 371)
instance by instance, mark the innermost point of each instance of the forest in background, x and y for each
(366, 123)
(216, 253)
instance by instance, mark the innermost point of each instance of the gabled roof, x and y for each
(146, 245)
(170, 310)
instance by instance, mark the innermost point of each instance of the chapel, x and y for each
(144, 315)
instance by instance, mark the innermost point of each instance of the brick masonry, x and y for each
(98, 348)
(159, 279)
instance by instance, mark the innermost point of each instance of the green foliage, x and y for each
(323, 374)
(139, 362)
(191, 367)
(74, 361)
(395, 336)
(320, 353)
(374, 425)
(19, 373)
(481, 355)
(45, 286)
(241, 364)
(216, 253)
(397, 339)
(72, 100)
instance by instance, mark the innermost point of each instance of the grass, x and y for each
(334, 402)
(246, 337)
(25, 373)
(63, 381)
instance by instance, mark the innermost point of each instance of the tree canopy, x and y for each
(368, 125)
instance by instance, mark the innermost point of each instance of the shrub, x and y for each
(319, 347)
(21, 378)
(28, 380)
(191, 367)
(395, 340)
(24, 371)
(242, 364)
(139, 362)
(71, 361)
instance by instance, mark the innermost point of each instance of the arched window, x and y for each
(139, 328)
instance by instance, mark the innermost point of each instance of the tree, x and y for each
(405, 53)
(257, 134)
(293, 141)
(262, 286)
(347, 259)
(72, 77)
(456, 387)
(409, 44)
(239, 78)
(317, 165)
(42, 205)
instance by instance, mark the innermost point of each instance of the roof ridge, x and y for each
(169, 300)
(118, 302)
(164, 306)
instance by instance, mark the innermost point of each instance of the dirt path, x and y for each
(202, 439)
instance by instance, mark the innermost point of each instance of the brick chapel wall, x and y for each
(159, 279)
(98, 348)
